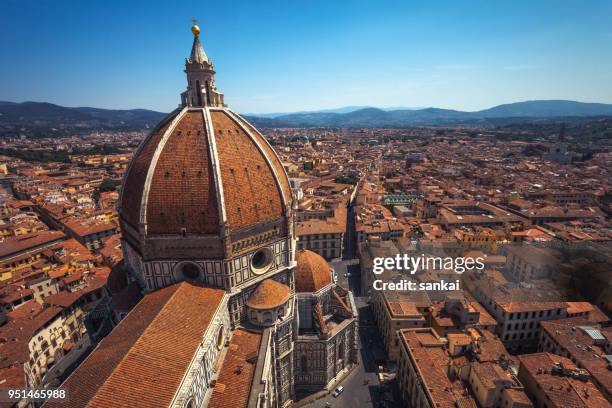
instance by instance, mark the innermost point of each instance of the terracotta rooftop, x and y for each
(312, 272)
(404, 308)
(14, 245)
(572, 336)
(268, 295)
(27, 309)
(233, 385)
(432, 361)
(16, 334)
(85, 227)
(314, 226)
(159, 336)
(561, 390)
(66, 299)
(489, 373)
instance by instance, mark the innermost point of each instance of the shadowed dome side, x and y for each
(269, 295)
(312, 273)
(133, 185)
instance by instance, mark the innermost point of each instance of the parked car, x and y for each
(338, 391)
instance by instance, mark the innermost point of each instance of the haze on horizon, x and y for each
(283, 57)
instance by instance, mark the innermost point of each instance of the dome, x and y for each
(312, 273)
(199, 169)
(269, 294)
(205, 197)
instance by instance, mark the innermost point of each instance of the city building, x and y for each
(328, 339)
(461, 370)
(37, 335)
(554, 381)
(583, 343)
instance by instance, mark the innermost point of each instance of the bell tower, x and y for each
(201, 90)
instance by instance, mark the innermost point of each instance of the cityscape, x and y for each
(207, 257)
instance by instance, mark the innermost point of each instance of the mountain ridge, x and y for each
(14, 115)
(41, 114)
(374, 117)
(342, 109)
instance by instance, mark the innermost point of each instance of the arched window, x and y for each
(253, 315)
(267, 317)
(304, 363)
(198, 93)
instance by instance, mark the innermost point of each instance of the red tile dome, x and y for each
(269, 294)
(199, 167)
(312, 273)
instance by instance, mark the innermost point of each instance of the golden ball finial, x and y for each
(195, 30)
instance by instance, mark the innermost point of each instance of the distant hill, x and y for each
(373, 117)
(40, 115)
(344, 109)
(26, 112)
(40, 119)
(546, 109)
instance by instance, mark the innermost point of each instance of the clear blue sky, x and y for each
(279, 56)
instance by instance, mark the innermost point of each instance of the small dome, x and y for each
(312, 273)
(269, 295)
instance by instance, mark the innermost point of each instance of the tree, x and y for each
(351, 178)
(108, 185)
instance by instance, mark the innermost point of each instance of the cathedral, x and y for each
(232, 315)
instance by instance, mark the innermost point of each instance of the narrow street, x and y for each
(361, 387)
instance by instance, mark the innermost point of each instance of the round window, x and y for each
(190, 271)
(261, 261)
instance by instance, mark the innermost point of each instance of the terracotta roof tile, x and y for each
(561, 391)
(233, 385)
(183, 191)
(158, 337)
(312, 272)
(134, 182)
(268, 295)
(271, 154)
(244, 174)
